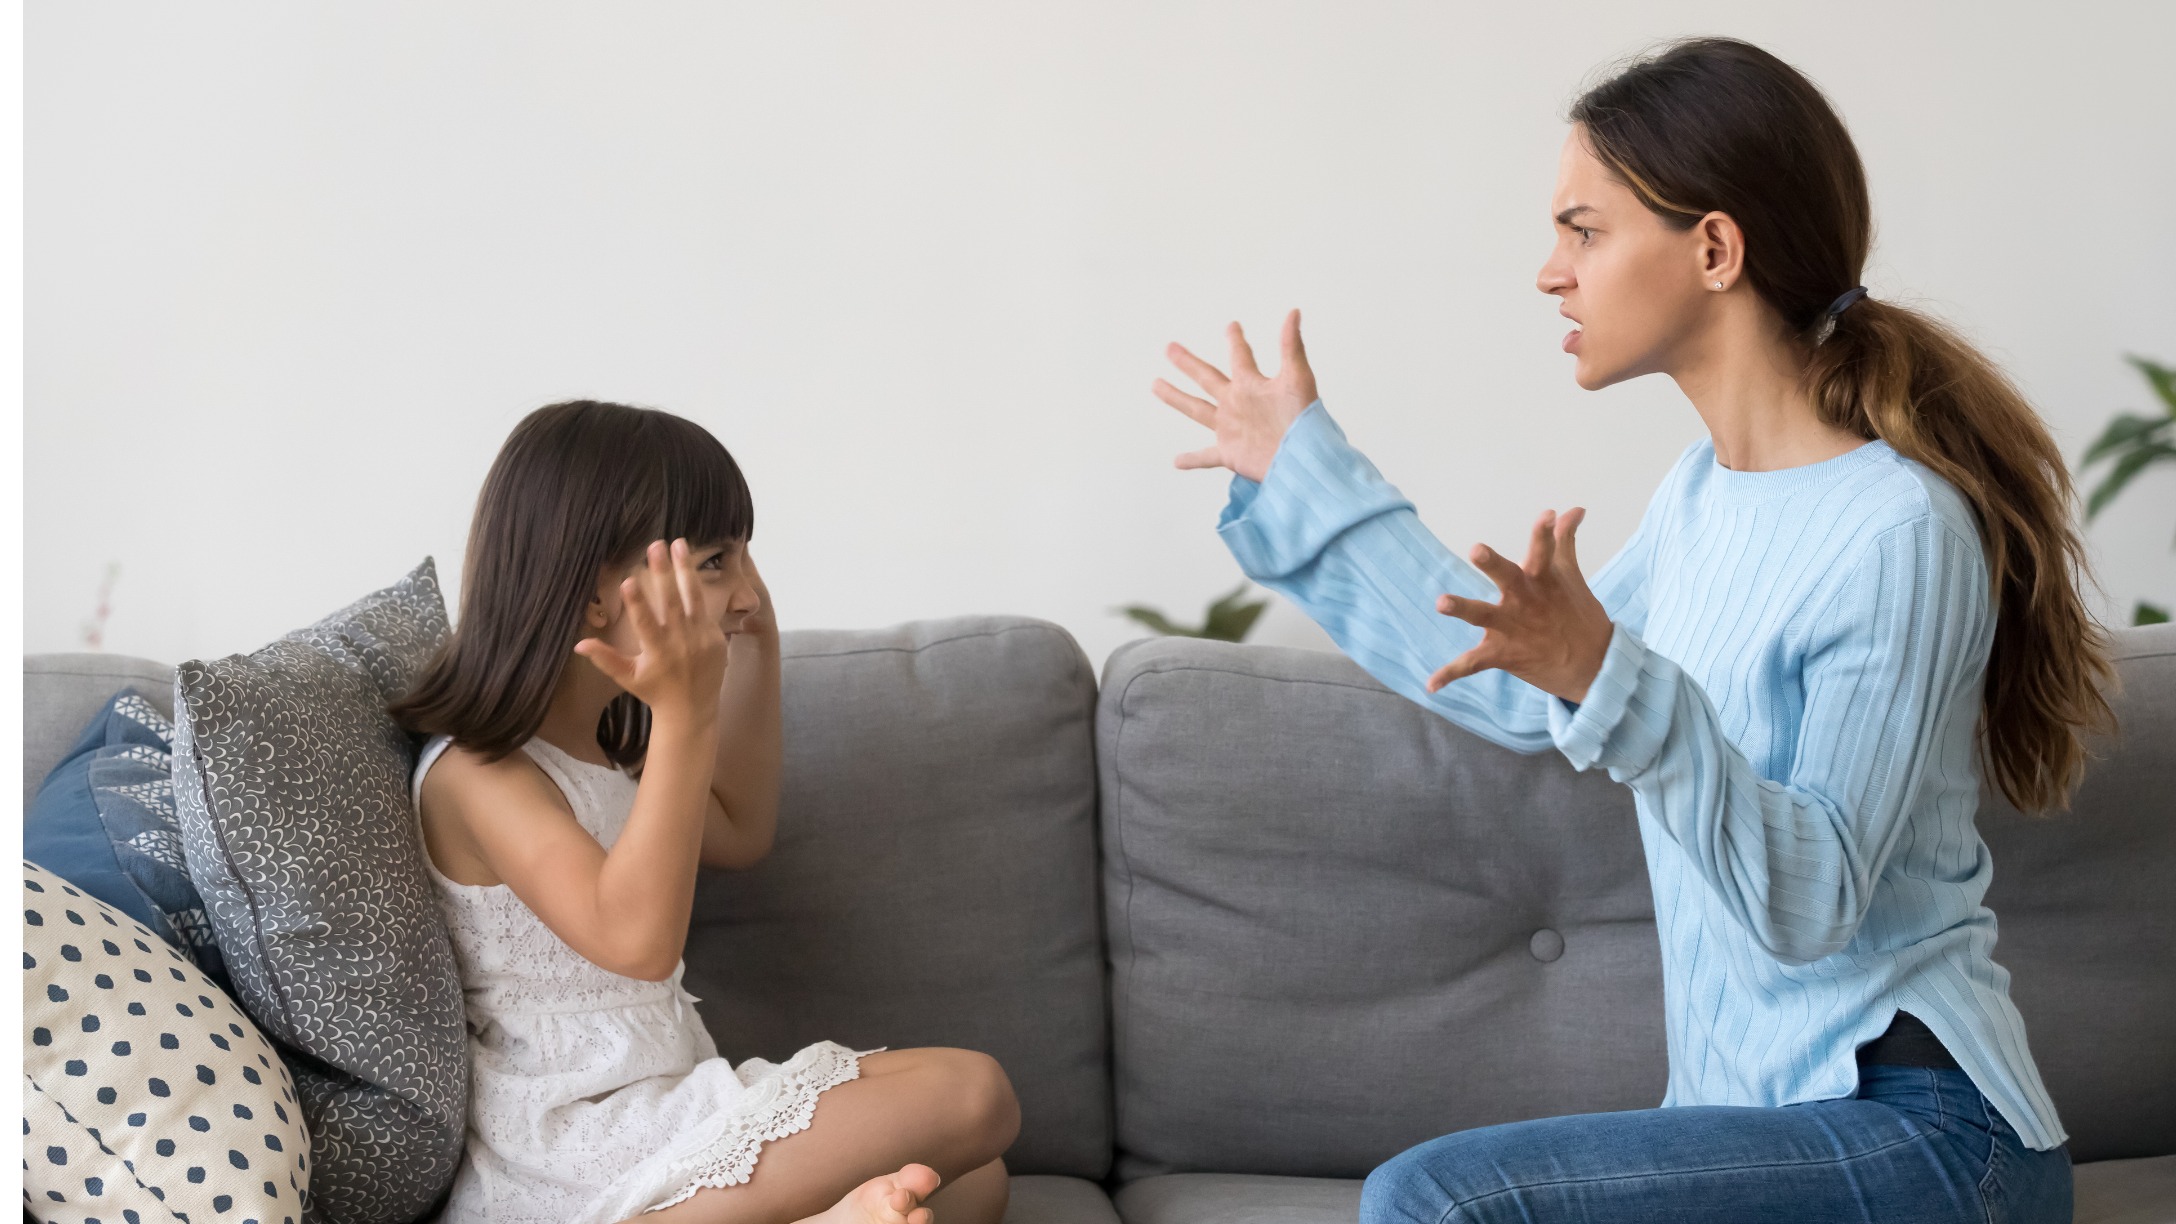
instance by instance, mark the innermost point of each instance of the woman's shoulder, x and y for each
(1900, 492)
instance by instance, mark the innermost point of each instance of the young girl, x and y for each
(1856, 595)
(604, 720)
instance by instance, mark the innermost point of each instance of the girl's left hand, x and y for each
(1549, 630)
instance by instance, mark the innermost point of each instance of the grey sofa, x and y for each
(1242, 924)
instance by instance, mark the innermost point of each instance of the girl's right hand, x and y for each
(679, 664)
(1252, 410)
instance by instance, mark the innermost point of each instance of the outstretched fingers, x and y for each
(1293, 352)
(1206, 457)
(1205, 376)
(1202, 411)
(1458, 669)
(1541, 547)
(1567, 539)
(1242, 352)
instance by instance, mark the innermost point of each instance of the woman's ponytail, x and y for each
(1719, 125)
(1892, 373)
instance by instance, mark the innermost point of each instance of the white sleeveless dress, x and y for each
(595, 1097)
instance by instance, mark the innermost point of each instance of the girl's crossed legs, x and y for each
(951, 1110)
(1916, 1144)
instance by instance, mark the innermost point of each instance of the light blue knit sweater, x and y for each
(1792, 693)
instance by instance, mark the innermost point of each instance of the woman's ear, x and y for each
(1720, 248)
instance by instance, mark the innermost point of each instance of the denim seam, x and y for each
(1988, 1179)
(1455, 1208)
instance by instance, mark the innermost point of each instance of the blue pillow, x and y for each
(104, 821)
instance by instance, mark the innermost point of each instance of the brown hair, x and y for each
(1717, 125)
(579, 486)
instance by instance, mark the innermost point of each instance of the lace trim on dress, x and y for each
(731, 1161)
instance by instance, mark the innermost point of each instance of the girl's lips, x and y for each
(1571, 341)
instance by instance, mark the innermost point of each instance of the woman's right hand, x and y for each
(679, 662)
(1251, 410)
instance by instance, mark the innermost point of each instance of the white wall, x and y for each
(294, 270)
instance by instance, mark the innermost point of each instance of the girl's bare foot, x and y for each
(895, 1198)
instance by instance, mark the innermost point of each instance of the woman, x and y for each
(1861, 590)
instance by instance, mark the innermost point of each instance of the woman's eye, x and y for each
(1585, 235)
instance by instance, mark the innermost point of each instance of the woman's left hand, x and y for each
(1548, 630)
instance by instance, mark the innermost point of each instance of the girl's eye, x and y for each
(714, 561)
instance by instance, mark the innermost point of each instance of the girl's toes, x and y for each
(917, 1179)
(921, 1215)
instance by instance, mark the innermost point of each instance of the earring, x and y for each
(1718, 284)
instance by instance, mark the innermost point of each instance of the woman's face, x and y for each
(1635, 286)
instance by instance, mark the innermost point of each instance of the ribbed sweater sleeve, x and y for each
(1892, 653)
(1326, 531)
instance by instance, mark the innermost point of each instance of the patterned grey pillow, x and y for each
(291, 783)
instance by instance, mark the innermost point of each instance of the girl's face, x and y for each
(732, 592)
(1639, 290)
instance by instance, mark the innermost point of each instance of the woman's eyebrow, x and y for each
(1565, 217)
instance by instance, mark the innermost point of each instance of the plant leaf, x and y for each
(2133, 462)
(2161, 378)
(2122, 432)
(1230, 623)
(2147, 614)
(1156, 621)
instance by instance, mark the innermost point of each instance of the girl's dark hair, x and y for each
(579, 486)
(1717, 125)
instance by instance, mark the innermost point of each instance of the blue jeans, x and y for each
(1916, 1144)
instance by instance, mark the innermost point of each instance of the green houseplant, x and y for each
(1229, 619)
(2131, 444)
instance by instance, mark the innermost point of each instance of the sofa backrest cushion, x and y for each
(934, 879)
(1340, 926)
(2086, 902)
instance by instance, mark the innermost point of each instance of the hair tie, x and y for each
(1846, 300)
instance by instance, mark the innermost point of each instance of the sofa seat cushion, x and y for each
(2141, 1191)
(1234, 1198)
(1058, 1200)
(2109, 1192)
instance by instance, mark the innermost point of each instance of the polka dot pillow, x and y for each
(147, 1094)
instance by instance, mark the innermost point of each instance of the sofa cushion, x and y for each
(62, 691)
(2087, 929)
(2126, 1191)
(934, 879)
(1223, 1198)
(104, 821)
(1046, 1199)
(292, 785)
(2108, 1192)
(147, 1093)
(1340, 926)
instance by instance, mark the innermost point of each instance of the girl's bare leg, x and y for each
(978, 1197)
(952, 1110)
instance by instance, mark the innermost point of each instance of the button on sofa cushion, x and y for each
(104, 821)
(146, 1092)
(292, 785)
